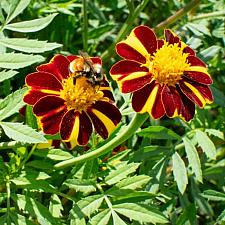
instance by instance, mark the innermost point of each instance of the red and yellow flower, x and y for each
(165, 76)
(71, 108)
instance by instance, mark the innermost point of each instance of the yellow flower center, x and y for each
(168, 64)
(80, 94)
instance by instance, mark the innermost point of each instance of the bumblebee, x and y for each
(83, 66)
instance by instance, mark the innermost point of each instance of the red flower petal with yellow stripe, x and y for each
(164, 76)
(66, 100)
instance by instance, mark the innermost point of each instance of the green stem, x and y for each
(28, 157)
(124, 30)
(8, 199)
(136, 122)
(209, 15)
(130, 5)
(172, 19)
(85, 25)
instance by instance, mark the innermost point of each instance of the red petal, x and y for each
(171, 101)
(195, 61)
(148, 99)
(199, 77)
(189, 50)
(187, 110)
(147, 37)
(133, 85)
(72, 57)
(124, 68)
(50, 110)
(127, 52)
(96, 60)
(108, 110)
(43, 81)
(171, 38)
(32, 96)
(160, 43)
(198, 93)
(48, 105)
(105, 88)
(105, 117)
(59, 66)
(76, 126)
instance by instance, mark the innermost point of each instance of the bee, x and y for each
(83, 66)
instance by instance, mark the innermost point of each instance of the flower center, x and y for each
(168, 64)
(80, 94)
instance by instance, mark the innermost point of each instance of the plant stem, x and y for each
(136, 122)
(27, 158)
(85, 25)
(172, 19)
(8, 199)
(209, 15)
(124, 30)
(130, 5)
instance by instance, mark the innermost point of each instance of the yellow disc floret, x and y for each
(81, 95)
(168, 64)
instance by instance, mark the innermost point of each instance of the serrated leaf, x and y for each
(210, 52)
(2, 18)
(198, 29)
(134, 182)
(54, 154)
(179, 172)
(193, 158)
(18, 60)
(85, 186)
(121, 173)
(221, 217)
(101, 218)
(31, 182)
(158, 132)
(127, 195)
(55, 206)
(214, 195)
(4, 75)
(31, 25)
(206, 144)
(215, 132)
(22, 133)
(16, 7)
(116, 219)
(28, 45)
(41, 164)
(41, 185)
(58, 155)
(34, 174)
(141, 213)
(20, 220)
(149, 152)
(189, 213)
(77, 216)
(12, 104)
(36, 209)
(90, 204)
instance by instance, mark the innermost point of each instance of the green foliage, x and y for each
(179, 172)
(22, 133)
(168, 172)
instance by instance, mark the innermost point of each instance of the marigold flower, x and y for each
(71, 108)
(165, 76)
